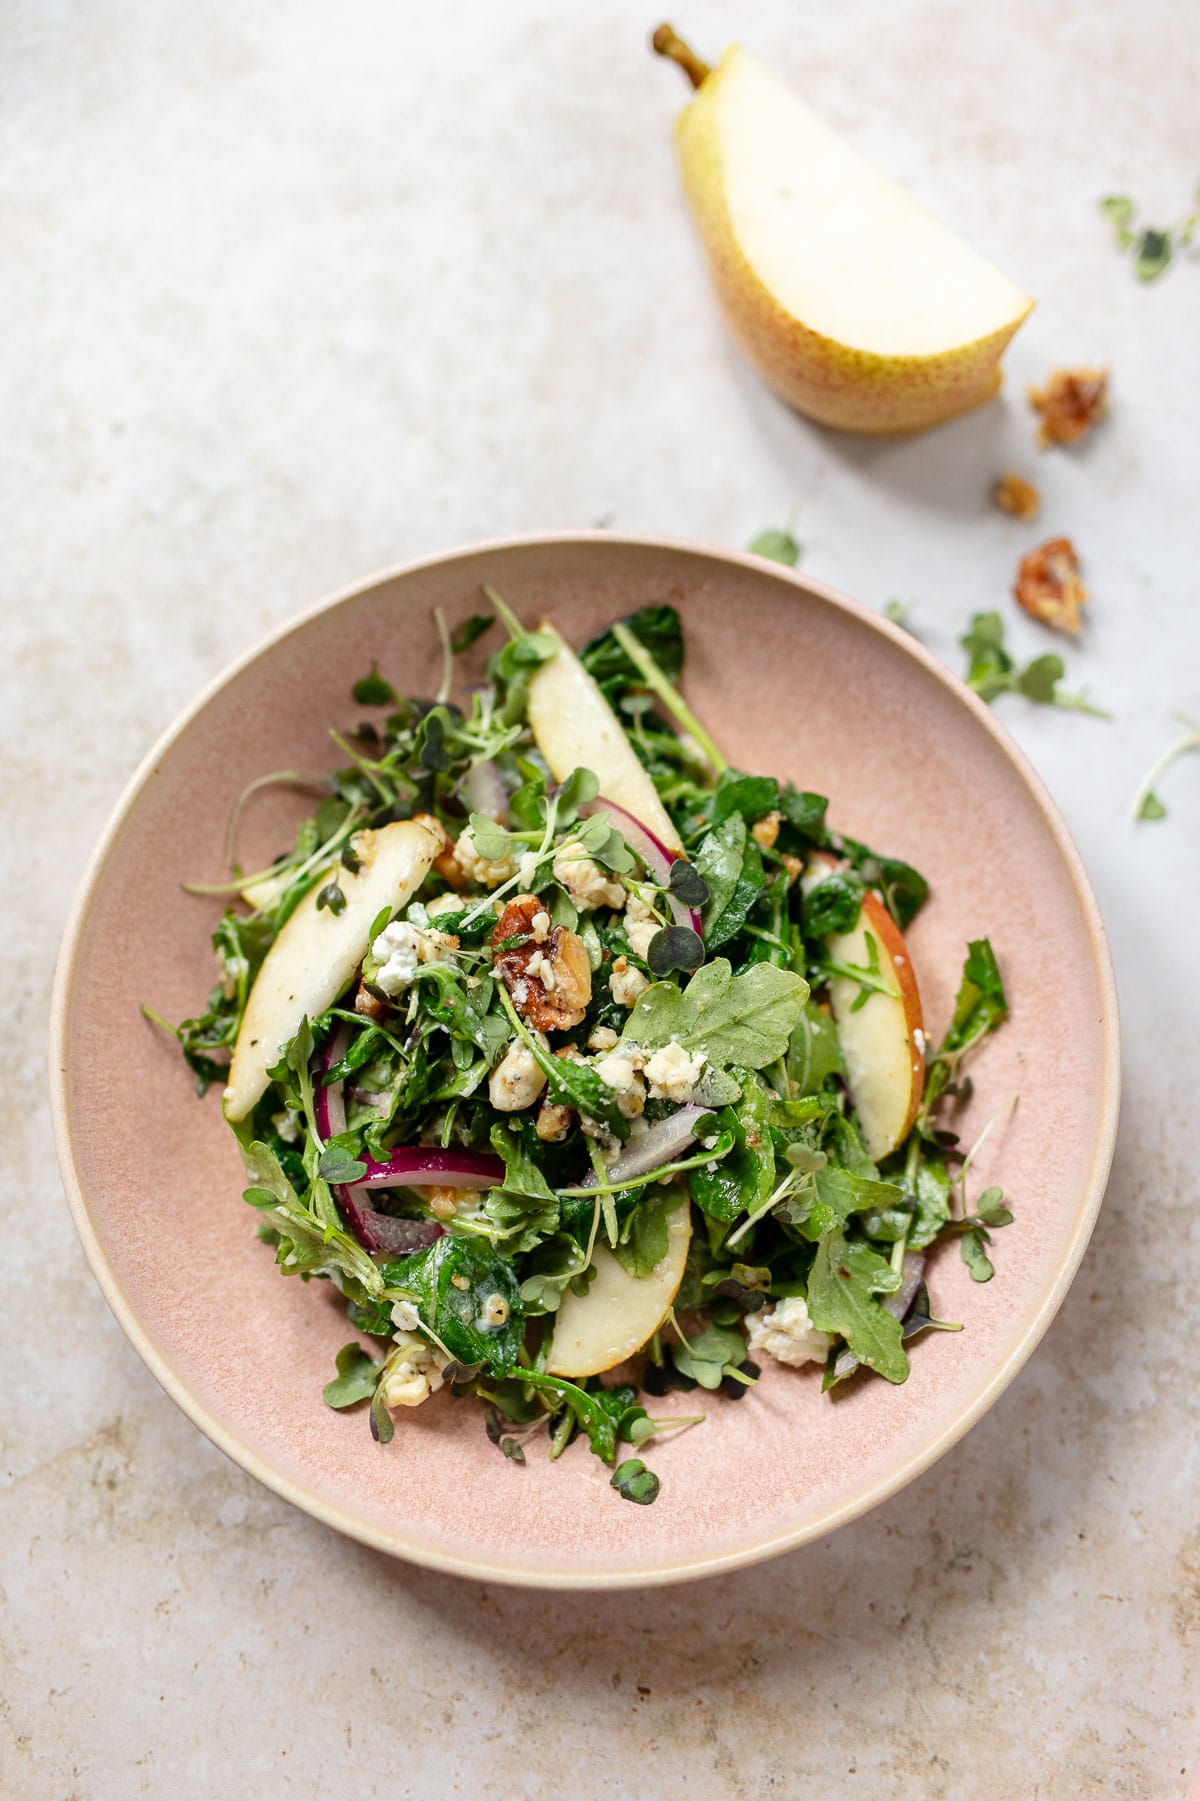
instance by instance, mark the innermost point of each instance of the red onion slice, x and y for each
(897, 1304)
(329, 1103)
(653, 853)
(421, 1165)
(661, 1144)
(381, 1232)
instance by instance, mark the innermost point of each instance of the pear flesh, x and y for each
(317, 953)
(597, 1330)
(852, 300)
(575, 728)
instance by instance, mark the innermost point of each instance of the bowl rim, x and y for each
(477, 1566)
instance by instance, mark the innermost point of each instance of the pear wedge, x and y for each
(597, 1330)
(882, 1040)
(315, 956)
(575, 728)
(854, 303)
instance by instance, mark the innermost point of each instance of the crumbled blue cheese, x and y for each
(619, 1074)
(785, 1332)
(401, 948)
(640, 925)
(588, 885)
(517, 1079)
(673, 1072)
(488, 872)
(414, 1372)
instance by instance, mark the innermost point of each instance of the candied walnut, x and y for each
(1013, 494)
(1048, 584)
(1071, 402)
(550, 979)
(553, 1121)
(367, 1004)
(766, 830)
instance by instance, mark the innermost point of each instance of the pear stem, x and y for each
(667, 42)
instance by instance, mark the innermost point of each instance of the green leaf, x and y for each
(1151, 807)
(634, 1482)
(745, 1019)
(373, 691)
(1153, 254)
(743, 1180)
(338, 1165)
(658, 628)
(975, 1256)
(1118, 208)
(805, 811)
(903, 889)
(709, 1356)
(525, 1209)
(674, 947)
(470, 631)
(989, 664)
(751, 796)
(833, 904)
(779, 545)
(591, 1414)
(934, 1192)
(331, 896)
(645, 1235)
(720, 860)
(832, 1196)
(687, 884)
(845, 1278)
(457, 1281)
(813, 1053)
(357, 1375)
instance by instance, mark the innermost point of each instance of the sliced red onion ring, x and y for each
(653, 852)
(409, 1168)
(661, 1144)
(381, 1232)
(421, 1165)
(897, 1304)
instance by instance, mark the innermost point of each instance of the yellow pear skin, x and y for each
(896, 359)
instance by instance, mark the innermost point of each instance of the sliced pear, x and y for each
(854, 303)
(317, 952)
(575, 728)
(619, 1312)
(883, 1040)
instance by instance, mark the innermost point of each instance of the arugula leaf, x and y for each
(658, 628)
(468, 1297)
(904, 889)
(831, 1196)
(749, 795)
(833, 904)
(730, 862)
(634, 1482)
(813, 1053)
(805, 812)
(934, 1193)
(525, 1208)
(979, 1009)
(357, 1375)
(745, 1019)
(845, 1278)
(589, 1410)
(742, 1181)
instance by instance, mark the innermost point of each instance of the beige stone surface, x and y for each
(291, 293)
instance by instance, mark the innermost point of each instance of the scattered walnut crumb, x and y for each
(1048, 584)
(1013, 494)
(1072, 401)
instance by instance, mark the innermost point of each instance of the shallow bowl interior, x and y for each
(791, 679)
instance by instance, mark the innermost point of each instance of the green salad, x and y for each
(583, 1066)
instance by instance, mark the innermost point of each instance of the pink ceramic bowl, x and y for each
(790, 678)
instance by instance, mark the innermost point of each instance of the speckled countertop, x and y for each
(294, 292)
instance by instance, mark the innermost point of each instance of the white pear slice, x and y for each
(852, 300)
(882, 1042)
(314, 958)
(619, 1312)
(575, 728)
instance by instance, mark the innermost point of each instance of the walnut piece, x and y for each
(1013, 494)
(1072, 401)
(551, 980)
(1049, 587)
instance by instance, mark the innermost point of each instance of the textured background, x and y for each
(291, 293)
